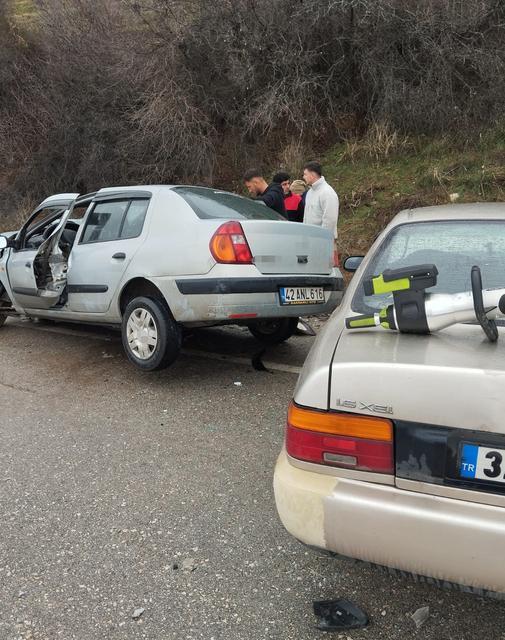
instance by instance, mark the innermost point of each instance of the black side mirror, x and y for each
(352, 263)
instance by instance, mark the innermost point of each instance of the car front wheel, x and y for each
(151, 337)
(275, 330)
(4, 302)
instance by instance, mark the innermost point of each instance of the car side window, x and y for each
(115, 220)
(134, 219)
(104, 222)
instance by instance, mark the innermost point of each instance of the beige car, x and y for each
(395, 443)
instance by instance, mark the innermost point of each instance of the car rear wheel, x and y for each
(275, 330)
(151, 337)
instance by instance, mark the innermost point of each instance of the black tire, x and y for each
(168, 334)
(275, 330)
(4, 302)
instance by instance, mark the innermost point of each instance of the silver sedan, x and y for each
(156, 259)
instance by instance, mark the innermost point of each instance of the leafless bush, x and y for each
(266, 65)
(124, 91)
(92, 103)
(292, 157)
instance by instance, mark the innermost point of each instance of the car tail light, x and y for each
(336, 259)
(229, 245)
(346, 440)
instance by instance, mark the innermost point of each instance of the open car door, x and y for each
(38, 276)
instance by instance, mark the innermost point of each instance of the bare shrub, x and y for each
(292, 157)
(173, 137)
(91, 104)
(124, 91)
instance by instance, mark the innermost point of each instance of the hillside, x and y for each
(401, 100)
(379, 175)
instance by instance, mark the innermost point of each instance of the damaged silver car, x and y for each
(157, 259)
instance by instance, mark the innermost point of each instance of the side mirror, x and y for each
(3, 243)
(352, 263)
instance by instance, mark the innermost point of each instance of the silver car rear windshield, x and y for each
(212, 203)
(453, 246)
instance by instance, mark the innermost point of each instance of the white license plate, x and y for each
(302, 295)
(482, 463)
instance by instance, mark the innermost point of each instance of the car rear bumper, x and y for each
(211, 299)
(446, 539)
(265, 284)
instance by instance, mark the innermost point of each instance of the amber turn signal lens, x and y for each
(343, 424)
(229, 245)
(222, 248)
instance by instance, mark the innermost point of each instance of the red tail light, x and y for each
(340, 439)
(336, 259)
(229, 245)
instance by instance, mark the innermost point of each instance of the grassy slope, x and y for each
(24, 8)
(24, 13)
(374, 186)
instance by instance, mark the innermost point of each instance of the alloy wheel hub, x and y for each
(142, 334)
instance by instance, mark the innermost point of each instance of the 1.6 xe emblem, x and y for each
(374, 408)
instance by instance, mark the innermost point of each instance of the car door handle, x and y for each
(28, 264)
(119, 256)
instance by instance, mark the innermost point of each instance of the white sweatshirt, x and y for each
(321, 206)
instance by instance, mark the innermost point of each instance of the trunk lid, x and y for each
(452, 378)
(444, 393)
(288, 247)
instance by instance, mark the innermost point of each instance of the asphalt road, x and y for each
(122, 491)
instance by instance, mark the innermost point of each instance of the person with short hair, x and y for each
(321, 203)
(271, 194)
(291, 200)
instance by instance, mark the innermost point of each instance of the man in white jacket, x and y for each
(321, 204)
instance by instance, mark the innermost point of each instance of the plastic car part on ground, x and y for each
(304, 328)
(339, 615)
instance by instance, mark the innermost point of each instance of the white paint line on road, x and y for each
(209, 355)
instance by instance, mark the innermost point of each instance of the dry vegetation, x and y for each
(96, 92)
(422, 171)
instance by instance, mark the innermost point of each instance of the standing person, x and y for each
(291, 200)
(321, 203)
(271, 194)
(299, 188)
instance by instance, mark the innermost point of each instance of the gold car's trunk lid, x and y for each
(445, 395)
(452, 378)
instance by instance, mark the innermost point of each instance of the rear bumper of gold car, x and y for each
(443, 538)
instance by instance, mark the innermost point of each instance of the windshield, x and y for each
(453, 247)
(211, 203)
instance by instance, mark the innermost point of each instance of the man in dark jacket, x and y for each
(292, 201)
(271, 194)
